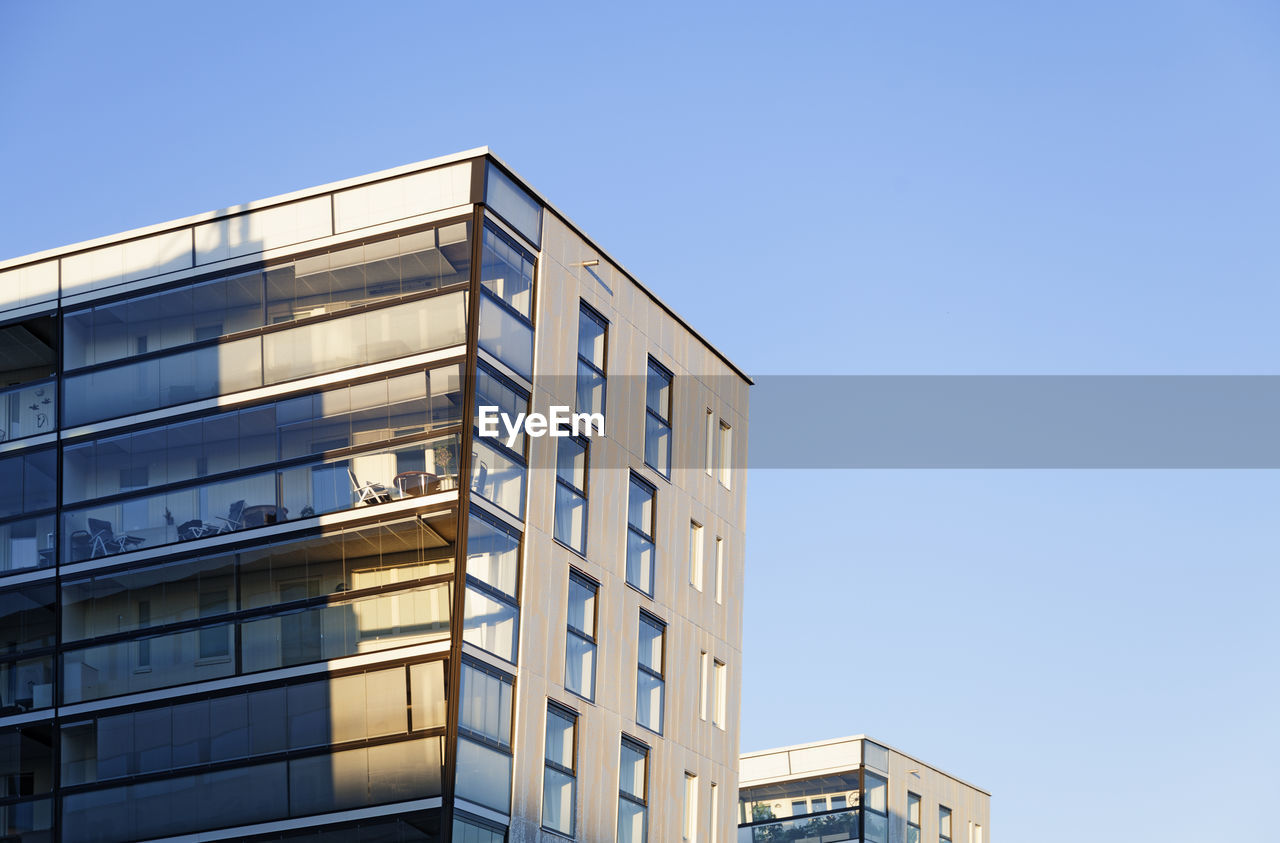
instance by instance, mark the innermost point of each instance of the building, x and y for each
(855, 789)
(261, 577)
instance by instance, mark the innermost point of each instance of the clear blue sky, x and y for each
(862, 187)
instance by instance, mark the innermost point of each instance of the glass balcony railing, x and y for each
(833, 827)
(260, 499)
(28, 410)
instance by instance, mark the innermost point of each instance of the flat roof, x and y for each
(381, 175)
(832, 741)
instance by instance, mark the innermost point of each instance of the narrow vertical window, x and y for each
(633, 792)
(580, 641)
(491, 609)
(875, 804)
(560, 771)
(641, 502)
(722, 694)
(944, 824)
(704, 662)
(593, 333)
(484, 738)
(690, 806)
(571, 494)
(719, 570)
(695, 555)
(506, 301)
(650, 681)
(726, 455)
(913, 818)
(657, 426)
(498, 460)
(715, 813)
(710, 449)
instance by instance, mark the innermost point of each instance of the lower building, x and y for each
(855, 789)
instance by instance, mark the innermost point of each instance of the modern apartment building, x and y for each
(262, 577)
(855, 789)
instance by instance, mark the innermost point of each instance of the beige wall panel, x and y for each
(406, 196)
(27, 285)
(258, 231)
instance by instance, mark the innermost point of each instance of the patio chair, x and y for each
(234, 519)
(369, 493)
(103, 539)
(196, 529)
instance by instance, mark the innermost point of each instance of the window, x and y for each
(719, 570)
(491, 610)
(875, 802)
(633, 792)
(506, 301)
(214, 641)
(703, 670)
(722, 693)
(695, 555)
(650, 684)
(498, 462)
(715, 813)
(690, 806)
(711, 443)
(657, 426)
(559, 775)
(726, 455)
(913, 818)
(944, 824)
(975, 832)
(484, 738)
(571, 494)
(593, 333)
(641, 502)
(580, 642)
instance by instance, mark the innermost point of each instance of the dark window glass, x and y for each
(580, 644)
(559, 776)
(641, 500)
(633, 793)
(650, 685)
(657, 429)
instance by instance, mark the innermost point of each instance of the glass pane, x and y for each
(485, 705)
(582, 605)
(875, 792)
(559, 740)
(426, 687)
(640, 506)
(509, 400)
(591, 338)
(632, 819)
(580, 666)
(493, 554)
(650, 646)
(498, 478)
(658, 392)
(503, 335)
(483, 775)
(657, 444)
(590, 390)
(514, 204)
(649, 693)
(507, 272)
(640, 562)
(490, 624)
(632, 778)
(571, 518)
(558, 801)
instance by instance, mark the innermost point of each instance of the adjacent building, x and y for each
(855, 789)
(262, 577)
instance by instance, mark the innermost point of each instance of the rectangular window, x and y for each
(657, 427)
(695, 555)
(580, 641)
(484, 738)
(593, 333)
(633, 792)
(690, 806)
(214, 643)
(715, 813)
(559, 775)
(913, 818)
(641, 503)
(491, 611)
(650, 684)
(719, 570)
(571, 494)
(726, 455)
(703, 669)
(875, 804)
(722, 693)
(944, 824)
(506, 301)
(975, 833)
(710, 454)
